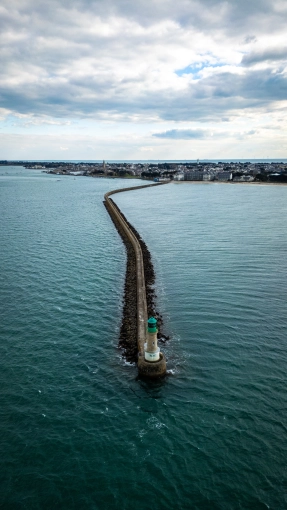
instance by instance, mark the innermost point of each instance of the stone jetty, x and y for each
(139, 297)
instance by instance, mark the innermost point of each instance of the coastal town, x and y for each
(190, 171)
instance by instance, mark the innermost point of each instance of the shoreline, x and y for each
(253, 183)
(275, 173)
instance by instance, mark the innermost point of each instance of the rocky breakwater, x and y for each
(139, 296)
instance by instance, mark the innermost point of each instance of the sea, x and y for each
(78, 428)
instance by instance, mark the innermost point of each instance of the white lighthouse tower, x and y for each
(151, 350)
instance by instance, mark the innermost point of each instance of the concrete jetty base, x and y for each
(152, 369)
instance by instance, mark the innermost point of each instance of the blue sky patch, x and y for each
(195, 68)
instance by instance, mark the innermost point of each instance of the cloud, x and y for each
(182, 134)
(211, 97)
(269, 55)
(201, 134)
(147, 62)
(233, 145)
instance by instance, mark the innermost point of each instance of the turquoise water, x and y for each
(78, 429)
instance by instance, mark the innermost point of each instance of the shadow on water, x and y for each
(149, 392)
(151, 388)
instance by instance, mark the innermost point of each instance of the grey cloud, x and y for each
(225, 93)
(198, 134)
(209, 99)
(254, 87)
(249, 38)
(205, 14)
(182, 134)
(44, 45)
(56, 16)
(271, 55)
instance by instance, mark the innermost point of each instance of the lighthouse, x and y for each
(151, 362)
(151, 350)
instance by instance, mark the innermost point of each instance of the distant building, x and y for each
(243, 178)
(193, 176)
(208, 177)
(179, 177)
(224, 176)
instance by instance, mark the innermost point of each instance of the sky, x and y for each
(141, 79)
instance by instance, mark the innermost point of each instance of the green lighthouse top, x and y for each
(152, 325)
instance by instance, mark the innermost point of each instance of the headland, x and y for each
(201, 171)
